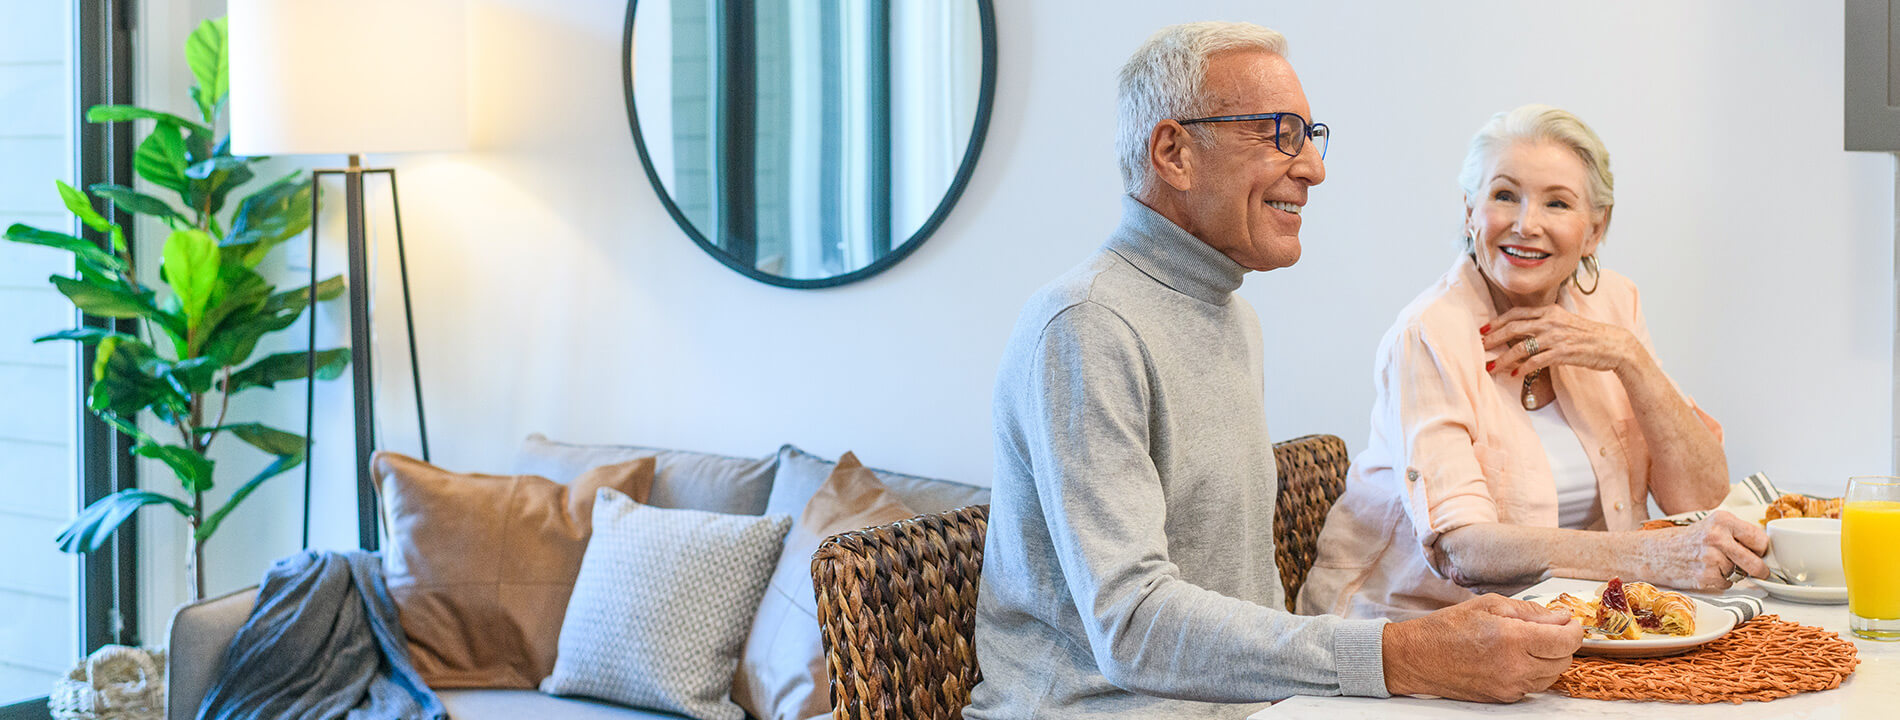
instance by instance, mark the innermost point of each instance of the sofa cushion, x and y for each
(800, 473)
(662, 605)
(480, 566)
(683, 479)
(782, 675)
(522, 704)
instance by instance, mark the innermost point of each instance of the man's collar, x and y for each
(1183, 262)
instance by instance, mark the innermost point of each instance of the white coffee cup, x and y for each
(1807, 550)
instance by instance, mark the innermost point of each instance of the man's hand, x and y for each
(1486, 649)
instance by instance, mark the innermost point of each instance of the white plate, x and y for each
(1811, 594)
(1711, 622)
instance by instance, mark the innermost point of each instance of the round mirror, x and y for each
(809, 143)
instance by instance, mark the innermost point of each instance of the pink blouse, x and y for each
(1451, 445)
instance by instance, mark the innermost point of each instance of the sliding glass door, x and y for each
(56, 56)
(40, 612)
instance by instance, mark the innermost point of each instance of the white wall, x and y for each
(555, 294)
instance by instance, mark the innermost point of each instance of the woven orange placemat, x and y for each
(1763, 659)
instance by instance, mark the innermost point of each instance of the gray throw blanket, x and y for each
(324, 642)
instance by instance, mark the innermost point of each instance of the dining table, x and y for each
(1872, 691)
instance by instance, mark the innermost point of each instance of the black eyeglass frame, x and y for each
(1312, 129)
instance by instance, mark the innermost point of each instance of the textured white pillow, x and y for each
(662, 606)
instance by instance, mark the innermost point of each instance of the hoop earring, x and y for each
(1596, 274)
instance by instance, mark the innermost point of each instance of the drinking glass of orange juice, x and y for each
(1870, 553)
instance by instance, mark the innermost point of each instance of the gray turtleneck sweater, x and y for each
(1129, 568)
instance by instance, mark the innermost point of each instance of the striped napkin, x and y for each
(1743, 607)
(1753, 490)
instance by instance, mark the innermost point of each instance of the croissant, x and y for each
(1675, 613)
(1618, 625)
(1585, 610)
(1640, 594)
(1791, 505)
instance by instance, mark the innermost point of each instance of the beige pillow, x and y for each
(681, 479)
(782, 674)
(481, 566)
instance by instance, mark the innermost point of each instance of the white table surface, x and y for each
(1873, 691)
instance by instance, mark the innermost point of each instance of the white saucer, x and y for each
(1810, 594)
(1711, 622)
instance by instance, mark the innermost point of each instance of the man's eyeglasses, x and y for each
(1289, 131)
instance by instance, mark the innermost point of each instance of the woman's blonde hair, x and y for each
(1535, 123)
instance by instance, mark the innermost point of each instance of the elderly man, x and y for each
(1129, 569)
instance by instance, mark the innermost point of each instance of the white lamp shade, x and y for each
(332, 77)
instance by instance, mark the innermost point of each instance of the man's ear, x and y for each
(1171, 154)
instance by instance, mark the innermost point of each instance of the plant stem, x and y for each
(224, 408)
(195, 562)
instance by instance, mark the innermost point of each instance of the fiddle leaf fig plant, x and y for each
(199, 325)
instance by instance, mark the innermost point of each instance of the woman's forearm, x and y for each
(1687, 469)
(1697, 557)
(1500, 554)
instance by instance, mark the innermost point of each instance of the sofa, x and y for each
(200, 632)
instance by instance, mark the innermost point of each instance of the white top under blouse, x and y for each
(1577, 504)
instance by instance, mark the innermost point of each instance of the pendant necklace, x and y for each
(1530, 397)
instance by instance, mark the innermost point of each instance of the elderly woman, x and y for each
(1521, 412)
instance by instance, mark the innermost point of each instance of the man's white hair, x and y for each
(1163, 79)
(1538, 123)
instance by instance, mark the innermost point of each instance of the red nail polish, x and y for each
(1488, 364)
(1484, 329)
(1513, 373)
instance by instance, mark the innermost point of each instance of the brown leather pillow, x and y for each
(782, 674)
(481, 566)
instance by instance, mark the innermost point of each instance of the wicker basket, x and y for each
(114, 683)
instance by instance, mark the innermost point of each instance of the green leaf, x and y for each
(273, 369)
(240, 295)
(191, 268)
(121, 113)
(299, 298)
(267, 438)
(194, 376)
(80, 205)
(210, 62)
(137, 202)
(193, 469)
(216, 163)
(270, 216)
(85, 335)
(235, 341)
(210, 524)
(84, 250)
(112, 301)
(161, 159)
(131, 429)
(122, 384)
(97, 522)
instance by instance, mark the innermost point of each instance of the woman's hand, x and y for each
(1562, 337)
(1701, 556)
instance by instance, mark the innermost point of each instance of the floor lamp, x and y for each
(351, 77)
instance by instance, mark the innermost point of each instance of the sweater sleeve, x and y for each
(1427, 388)
(1150, 631)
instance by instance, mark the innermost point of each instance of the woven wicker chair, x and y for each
(1312, 475)
(897, 604)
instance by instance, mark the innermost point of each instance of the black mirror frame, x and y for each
(985, 97)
